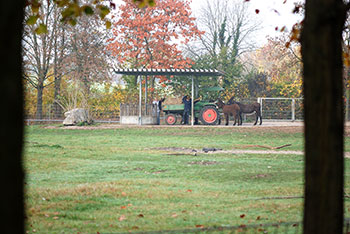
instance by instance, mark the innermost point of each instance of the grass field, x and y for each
(122, 179)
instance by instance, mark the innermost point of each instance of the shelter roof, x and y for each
(170, 72)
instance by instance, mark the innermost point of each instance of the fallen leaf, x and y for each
(242, 216)
(123, 207)
(129, 204)
(174, 215)
(121, 218)
(257, 11)
(123, 193)
(189, 190)
(55, 217)
(141, 215)
(258, 218)
(199, 226)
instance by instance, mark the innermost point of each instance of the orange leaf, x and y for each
(123, 207)
(199, 226)
(121, 218)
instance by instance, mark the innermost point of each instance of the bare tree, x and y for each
(87, 60)
(38, 51)
(228, 27)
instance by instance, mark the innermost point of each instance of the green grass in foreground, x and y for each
(115, 180)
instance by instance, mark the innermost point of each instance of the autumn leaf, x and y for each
(121, 218)
(32, 19)
(123, 207)
(258, 218)
(242, 216)
(88, 10)
(103, 11)
(189, 190)
(41, 29)
(199, 226)
(257, 11)
(174, 215)
(108, 24)
(141, 216)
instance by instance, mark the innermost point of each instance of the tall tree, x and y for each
(229, 26)
(145, 37)
(321, 41)
(38, 49)
(86, 60)
(282, 64)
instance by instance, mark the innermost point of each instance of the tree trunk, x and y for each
(39, 101)
(11, 119)
(321, 41)
(57, 109)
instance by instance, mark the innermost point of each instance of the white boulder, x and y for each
(76, 116)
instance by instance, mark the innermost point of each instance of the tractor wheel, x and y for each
(170, 119)
(209, 115)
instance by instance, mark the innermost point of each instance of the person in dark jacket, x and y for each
(158, 108)
(187, 101)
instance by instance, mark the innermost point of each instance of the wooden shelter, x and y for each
(143, 72)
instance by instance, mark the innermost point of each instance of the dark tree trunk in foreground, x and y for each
(321, 41)
(11, 118)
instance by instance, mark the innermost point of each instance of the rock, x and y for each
(76, 116)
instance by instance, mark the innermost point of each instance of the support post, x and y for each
(146, 95)
(192, 104)
(140, 100)
(293, 109)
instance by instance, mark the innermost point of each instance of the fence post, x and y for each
(293, 109)
(140, 100)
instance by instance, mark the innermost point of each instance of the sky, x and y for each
(272, 13)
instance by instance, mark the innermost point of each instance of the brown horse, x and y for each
(230, 110)
(247, 109)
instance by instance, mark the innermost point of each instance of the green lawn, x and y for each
(116, 180)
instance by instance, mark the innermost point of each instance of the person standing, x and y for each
(158, 108)
(187, 101)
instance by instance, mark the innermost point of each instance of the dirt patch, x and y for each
(258, 176)
(195, 152)
(204, 163)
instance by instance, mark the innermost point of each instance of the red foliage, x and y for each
(145, 37)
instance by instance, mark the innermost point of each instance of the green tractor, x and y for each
(205, 110)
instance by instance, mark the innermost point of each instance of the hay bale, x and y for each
(172, 101)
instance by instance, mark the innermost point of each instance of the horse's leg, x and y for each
(234, 117)
(240, 117)
(260, 117)
(256, 117)
(226, 118)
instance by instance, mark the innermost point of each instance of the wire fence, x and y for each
(273, 109)
(282, 227)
